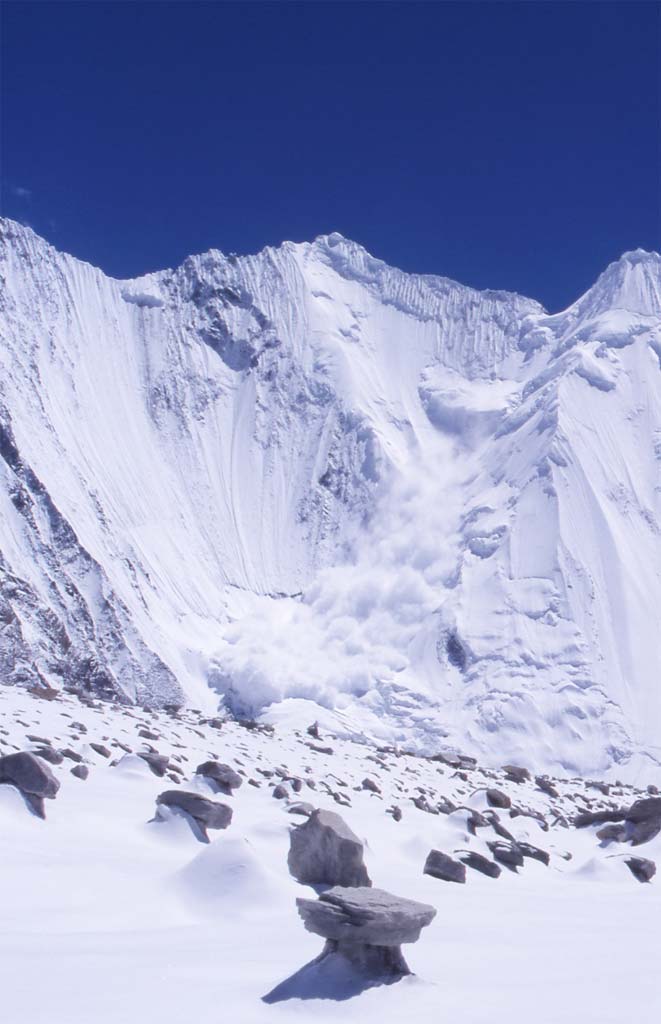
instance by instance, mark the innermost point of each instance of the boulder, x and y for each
(498, 826)
(508, 854)
(584, 818)
(642, 831)
(159, 763)
(324, 851)
(480, 863)
(534, 852)
(222, 776)
(641, 868)
(496, 798)
(300, 807)
(99, 749)
(81, 771)
(546, 786)
(204, 812)
(612, 833)
(366, 926)
(643, 820)
(644, 810)
(516, 774)
(476, 820)
(439, 865)
(50, 754)
(28, 773)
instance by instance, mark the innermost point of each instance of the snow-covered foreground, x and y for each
(108, 916)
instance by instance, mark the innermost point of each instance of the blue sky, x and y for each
(507, 145)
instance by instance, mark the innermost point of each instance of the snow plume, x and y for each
(353, 630)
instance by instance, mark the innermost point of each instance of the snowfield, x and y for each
(306, 477)
(113, 917)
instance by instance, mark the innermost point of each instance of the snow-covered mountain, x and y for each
(307, 476)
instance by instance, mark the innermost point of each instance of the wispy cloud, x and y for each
(20, 192)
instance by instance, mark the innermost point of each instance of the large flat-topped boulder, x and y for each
(324, 851)
(365, 915)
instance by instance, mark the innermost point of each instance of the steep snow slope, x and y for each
(306, 475)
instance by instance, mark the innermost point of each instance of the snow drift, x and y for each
(307, 476)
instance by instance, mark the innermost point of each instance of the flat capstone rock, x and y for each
(364, 915)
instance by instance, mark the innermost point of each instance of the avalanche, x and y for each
(306, 476)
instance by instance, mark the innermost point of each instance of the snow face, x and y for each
(307, 476)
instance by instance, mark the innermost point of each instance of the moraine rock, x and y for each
(204, 812)
(612, 833)
(643, 820)
(71, 755)
(50, 754)
(641, 868)
(480, 863)
(324, 851)
(81, 771)
(280, 792)
(370, 785)
(367, 927)
(99, 749)
(508, 854)
(31, 776)
(585, 818)
(301, 807)
(496, 798)
(439, 865)
(423, 804)
(546, 786)
(534, 852)
(516, 774)
(159, 763)
(224, 778)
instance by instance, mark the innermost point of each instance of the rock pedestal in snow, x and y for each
(366, 926)
(324, 851)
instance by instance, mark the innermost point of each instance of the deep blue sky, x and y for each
(507, 145)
